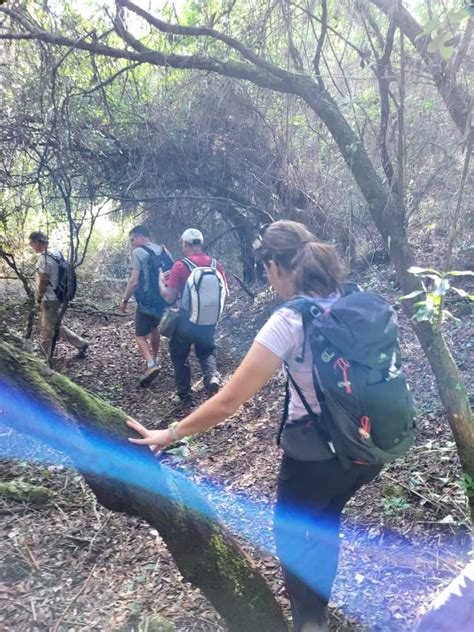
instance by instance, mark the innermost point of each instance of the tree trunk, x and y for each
(37, 401)
(451, 387)
(455, 96)
(454, 396)
(390, 223)
(245, 229)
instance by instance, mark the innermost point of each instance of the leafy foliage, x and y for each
(436, 286)
(443, 31)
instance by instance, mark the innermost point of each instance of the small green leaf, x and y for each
(417, 270)
(446, 52)
(448, 314)
(431, 25)
(460, 273)
(411, 295)
(463, 293)
(442, 286)
(428, 104)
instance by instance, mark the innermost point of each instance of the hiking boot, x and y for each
(149, 375)
(213, 386)
(82, 351)
(183, 401)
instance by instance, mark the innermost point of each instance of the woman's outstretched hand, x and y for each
(156, 439)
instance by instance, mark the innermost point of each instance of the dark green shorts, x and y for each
(145, 321)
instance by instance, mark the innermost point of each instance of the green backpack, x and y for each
(367, 412)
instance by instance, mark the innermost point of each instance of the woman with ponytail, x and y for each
(313, 486)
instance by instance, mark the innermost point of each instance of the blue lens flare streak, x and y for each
(98, 454)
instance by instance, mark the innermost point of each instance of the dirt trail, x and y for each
(72, 565)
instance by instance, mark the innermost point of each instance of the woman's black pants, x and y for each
(311, 496)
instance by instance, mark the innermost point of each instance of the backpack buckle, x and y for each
(327, 355)
(345, 383)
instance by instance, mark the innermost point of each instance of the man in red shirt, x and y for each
(187, 333)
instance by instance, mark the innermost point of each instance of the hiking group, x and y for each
(196, 283)
(347, 408)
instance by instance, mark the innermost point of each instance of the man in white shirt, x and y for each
(47, 273)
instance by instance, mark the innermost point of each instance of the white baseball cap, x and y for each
(192, 236)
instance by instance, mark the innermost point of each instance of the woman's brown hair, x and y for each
(315, 265)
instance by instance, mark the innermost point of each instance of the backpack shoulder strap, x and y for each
(308, 309)
(148, 250)
(54, 258)
(214, 263)
(304, 305)
(303, 399)
(286, 407)
(319, 421)
(350, 287)
(187, 262)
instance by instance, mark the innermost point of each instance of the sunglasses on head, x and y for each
(262, 230)
(260, 234)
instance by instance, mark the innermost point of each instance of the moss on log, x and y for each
(129, 479)
(20, 490)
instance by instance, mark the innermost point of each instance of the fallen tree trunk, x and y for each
(37, 401)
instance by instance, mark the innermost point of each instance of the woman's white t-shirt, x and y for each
(283, 335)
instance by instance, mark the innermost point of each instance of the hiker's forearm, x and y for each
(42, 287)
(131, 285)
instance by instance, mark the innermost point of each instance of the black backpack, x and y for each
(66, 287)
(367, 412)
(149, 297)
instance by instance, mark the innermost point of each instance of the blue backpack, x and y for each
(149, 296)
(66, 287)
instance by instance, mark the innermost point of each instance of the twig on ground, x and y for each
(76, 596)
(92, 310)
(245, 288)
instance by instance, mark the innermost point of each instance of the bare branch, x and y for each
(358, 50)
(457, 211)
(11, 263)
(230, 68)
(204, 31)
(320, 44)
(383, 72)
(456, 98)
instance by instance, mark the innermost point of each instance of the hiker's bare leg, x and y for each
(144, 347)
(155, 342)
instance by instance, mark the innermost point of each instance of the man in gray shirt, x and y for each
(47, 273)
(147, 260)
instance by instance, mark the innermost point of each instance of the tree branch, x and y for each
(233, 69)
(320, 44)
(204, 31)
(457, 99)
(457, 210)
(359, 51)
